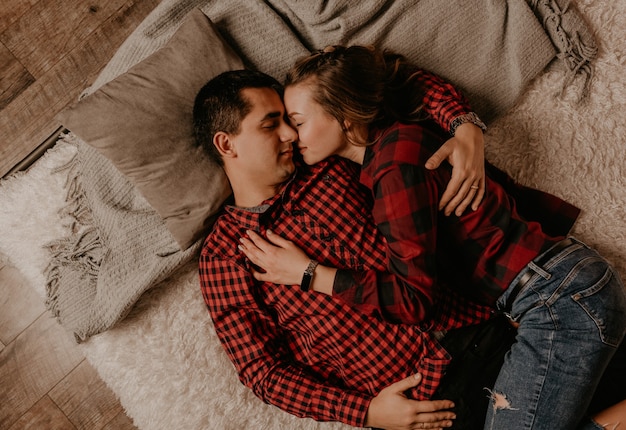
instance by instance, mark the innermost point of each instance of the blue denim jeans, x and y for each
(572, 318)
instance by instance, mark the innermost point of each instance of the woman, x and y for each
(355, 102)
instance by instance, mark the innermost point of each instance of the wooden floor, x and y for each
(50, 51)
(45, 382)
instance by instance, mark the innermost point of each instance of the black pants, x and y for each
(477, 356)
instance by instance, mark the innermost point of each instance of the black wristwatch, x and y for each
(308, 275)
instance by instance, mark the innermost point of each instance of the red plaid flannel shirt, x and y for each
(442, 102)
(479, 253)
(308, 353)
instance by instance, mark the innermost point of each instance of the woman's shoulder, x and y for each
(406, 143)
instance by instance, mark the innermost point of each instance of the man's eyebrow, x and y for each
(271, 115)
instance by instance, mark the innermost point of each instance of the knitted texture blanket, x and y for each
(116, 247)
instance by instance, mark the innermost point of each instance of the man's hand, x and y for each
(466, 153)
(392, 410)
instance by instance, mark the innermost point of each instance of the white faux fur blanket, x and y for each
(164, 360)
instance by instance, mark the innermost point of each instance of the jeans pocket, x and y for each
(605, 303)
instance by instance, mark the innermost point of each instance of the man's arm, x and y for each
(255, 345)
(259, 350)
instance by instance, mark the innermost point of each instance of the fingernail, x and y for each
(417, 376)
(239, 247)
(269, 232)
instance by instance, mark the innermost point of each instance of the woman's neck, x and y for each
(354, 153)
(356, 139)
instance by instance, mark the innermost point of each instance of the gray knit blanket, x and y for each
(117, 247)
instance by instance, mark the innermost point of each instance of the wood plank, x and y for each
(12, 10)
(32, 365)
(20, 305)
(85, 399)
(29, 119)
(43, 415)
(14, 78)
(120, 422)
(47, 31)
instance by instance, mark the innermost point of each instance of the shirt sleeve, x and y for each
(408, 221)
(255, 345)
(405, 211)
(445, 104)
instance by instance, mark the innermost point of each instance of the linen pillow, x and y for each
(142, 121)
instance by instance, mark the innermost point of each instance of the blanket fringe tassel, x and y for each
(80, 252)
(577, 54)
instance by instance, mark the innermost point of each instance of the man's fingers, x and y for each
(406, 383)
(436, 408)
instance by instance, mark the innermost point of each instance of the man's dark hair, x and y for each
(220, 106)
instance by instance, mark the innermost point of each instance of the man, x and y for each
(309, 354)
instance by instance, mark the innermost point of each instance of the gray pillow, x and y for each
(142, 121)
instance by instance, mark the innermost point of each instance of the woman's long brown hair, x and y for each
(361, 84)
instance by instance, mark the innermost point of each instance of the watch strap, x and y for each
(308, 275)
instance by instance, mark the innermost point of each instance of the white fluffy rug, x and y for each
(165, 362)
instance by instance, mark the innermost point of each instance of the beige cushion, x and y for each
(142, 121)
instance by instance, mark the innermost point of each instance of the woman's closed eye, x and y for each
(295, 123)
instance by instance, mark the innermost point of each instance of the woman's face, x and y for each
(319, 134)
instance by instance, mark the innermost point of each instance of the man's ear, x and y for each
(224, 145)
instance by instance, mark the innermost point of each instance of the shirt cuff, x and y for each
(468, 117)
(355, 407)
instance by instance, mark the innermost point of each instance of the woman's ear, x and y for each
(224, 145)
(347, 124)
(356, 135)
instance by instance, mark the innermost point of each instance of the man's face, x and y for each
(265, 143)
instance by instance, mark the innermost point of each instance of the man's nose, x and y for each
(287, 133)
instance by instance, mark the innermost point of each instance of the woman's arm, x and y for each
(383, 294)
(451, 111)
(282, 262)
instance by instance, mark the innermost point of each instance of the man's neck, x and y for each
(251, 195)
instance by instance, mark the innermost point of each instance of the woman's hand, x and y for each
(392, 410)
(466, 153)
(282, 261)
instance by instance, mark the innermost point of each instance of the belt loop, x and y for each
(529, 271)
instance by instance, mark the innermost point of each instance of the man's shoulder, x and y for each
(222, 237)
